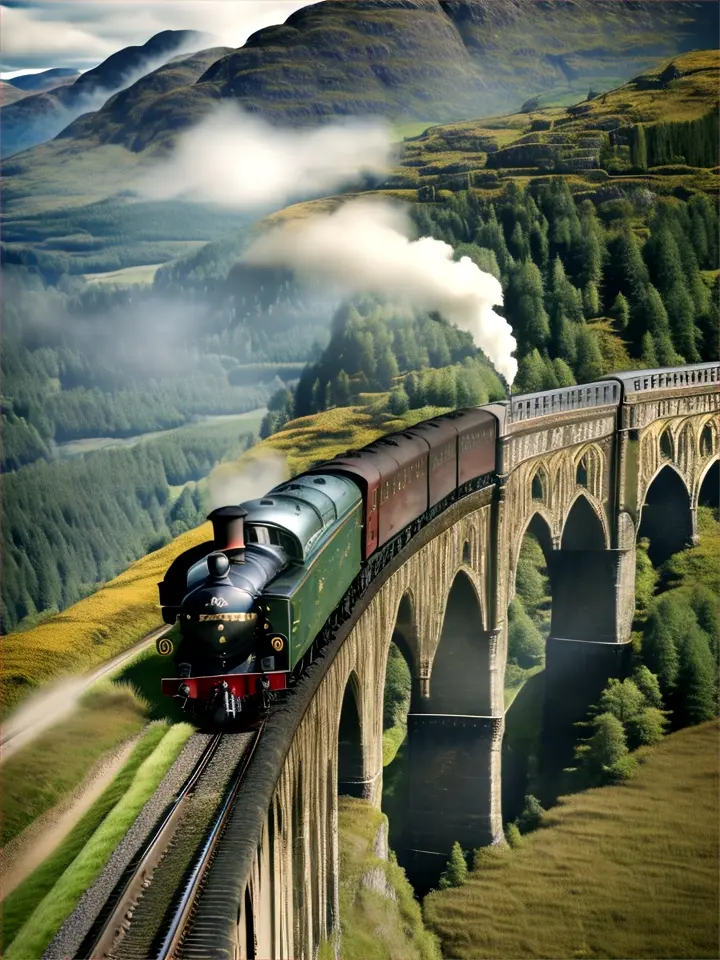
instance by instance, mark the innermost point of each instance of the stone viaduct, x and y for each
(588, 470)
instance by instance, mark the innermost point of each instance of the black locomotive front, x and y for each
(213, 593)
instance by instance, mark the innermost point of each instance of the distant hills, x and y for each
(435, 60)
(45, 80)
(414, 61)
(42, 115)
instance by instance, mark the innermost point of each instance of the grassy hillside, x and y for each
(379, 916)
(577, 141)
(625, 871)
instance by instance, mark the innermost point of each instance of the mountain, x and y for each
(9, 94)
(45, 80)
(428, 61)
(43, 115)
(434, 60)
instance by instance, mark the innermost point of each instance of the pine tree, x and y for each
(696, 685)
(563, 373)
(681, 315)
(622, 699)
(591, 300)
(589, 364)
(456, 871)
(670, 619)
(648, 685)
(606, 749)
(648, 727)
(341, 389)
(620, 311)
(648, 355)
(531, 373)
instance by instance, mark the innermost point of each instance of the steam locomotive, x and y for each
(250, 603)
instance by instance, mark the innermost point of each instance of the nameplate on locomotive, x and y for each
(228, 617)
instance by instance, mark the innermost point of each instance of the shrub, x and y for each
(532, 814)
(623, 769)
(525, 642)
(648, 727)
(513, 835)
(455, 874)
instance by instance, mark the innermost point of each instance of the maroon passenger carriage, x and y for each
(404, 475)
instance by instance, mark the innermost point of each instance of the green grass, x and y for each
(35, 935)
(20, 903)
(393, 738)
(700, 564)
(374, 926)
(519, 679)
(623, 871)
(217, 423)
(47, 770)
(144, 673)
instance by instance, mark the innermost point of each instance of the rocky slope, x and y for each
(43, 115)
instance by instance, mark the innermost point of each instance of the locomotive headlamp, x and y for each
(277, 643)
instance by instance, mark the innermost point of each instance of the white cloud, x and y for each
(364, 247)
(81, 33)
(240, 160)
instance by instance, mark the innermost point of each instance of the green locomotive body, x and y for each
(317, 521)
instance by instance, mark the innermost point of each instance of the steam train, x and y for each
(253, 604)
(250, 603)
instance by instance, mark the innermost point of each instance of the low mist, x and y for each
(364, 247)
(240, 160)
(252, 478)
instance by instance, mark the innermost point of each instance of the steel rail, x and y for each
(181, 915)
(150, 856)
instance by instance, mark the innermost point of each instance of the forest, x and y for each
(589, 287)
(70, 525)
(593, 282)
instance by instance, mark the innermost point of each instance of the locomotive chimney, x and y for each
(228, 527)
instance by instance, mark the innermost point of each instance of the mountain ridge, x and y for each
(41, 116)
(434, 60)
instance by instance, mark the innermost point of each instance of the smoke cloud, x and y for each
(239, 160)
(365, 247)
(253, 478)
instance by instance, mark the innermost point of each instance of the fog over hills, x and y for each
(41, 116)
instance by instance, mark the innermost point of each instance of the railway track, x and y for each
(152, 904)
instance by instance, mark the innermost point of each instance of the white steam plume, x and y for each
(253, 478)
(240, 160)
(364, 247)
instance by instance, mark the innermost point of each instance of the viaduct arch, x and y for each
(590, 480)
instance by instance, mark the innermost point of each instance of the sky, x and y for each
(40, 34)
